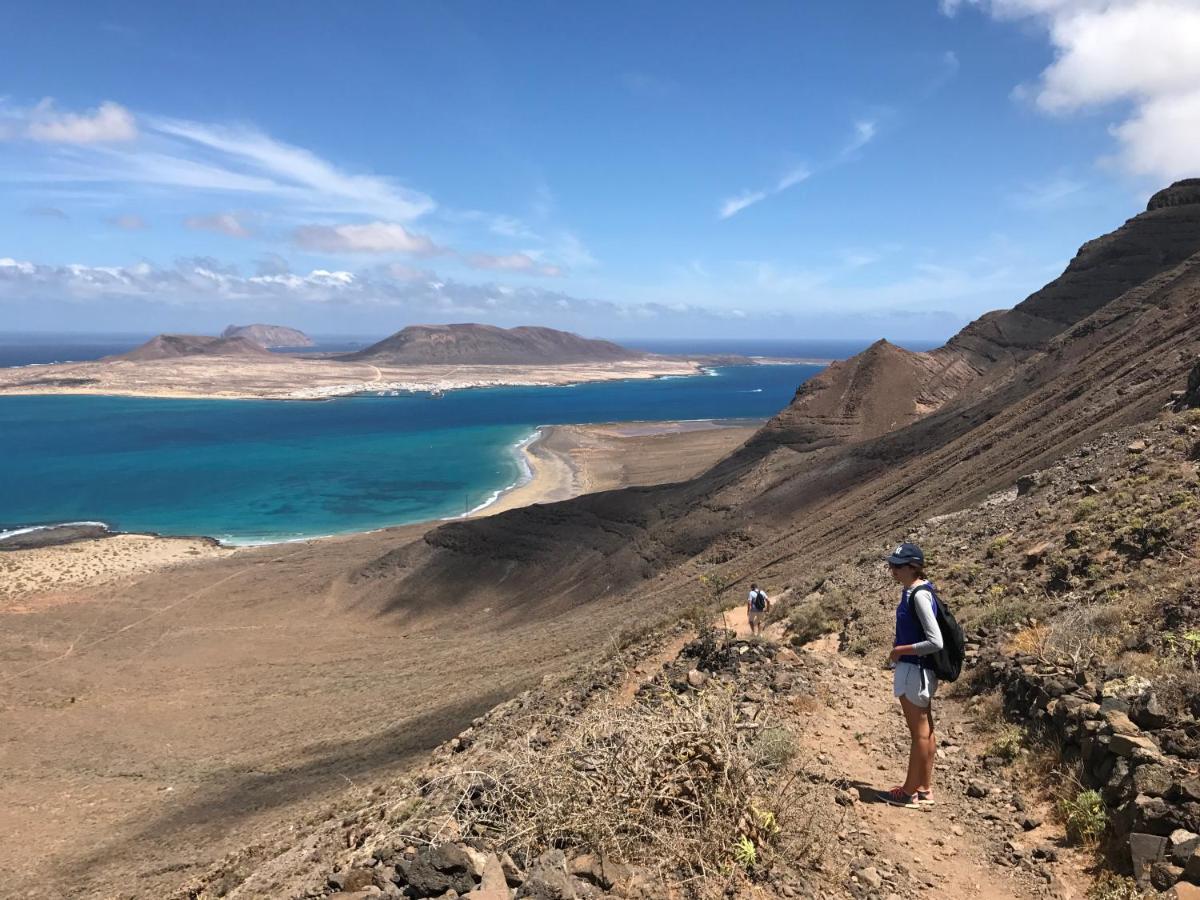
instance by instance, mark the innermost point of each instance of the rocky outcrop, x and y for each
(1144, 763)
(173, 346)
(1181, 193)
(269, 336)
(470, 344)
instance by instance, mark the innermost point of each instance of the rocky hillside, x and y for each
(1044, 459)
(434, 345)
(269, 336)
(173, 346)
(855, 457)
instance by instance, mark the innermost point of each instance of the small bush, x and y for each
(1084, 816)
(776, 747)
(1109, 886)
(996, 547)
(1008, 743)
(1084, 508)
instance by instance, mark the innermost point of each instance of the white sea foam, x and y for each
(524, 478)
(11, 533)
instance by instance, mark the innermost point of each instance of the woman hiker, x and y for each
(914, 684)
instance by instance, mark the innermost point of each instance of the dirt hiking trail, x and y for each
(962, 846)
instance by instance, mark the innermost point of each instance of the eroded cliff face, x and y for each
(873, 444)
(884, 387)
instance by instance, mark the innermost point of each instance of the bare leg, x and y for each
(921, 751)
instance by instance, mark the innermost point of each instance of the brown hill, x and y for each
(883, 440)
(172, 346)
(470, 344)
(269, 335)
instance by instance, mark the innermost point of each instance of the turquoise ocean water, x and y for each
(248, 471)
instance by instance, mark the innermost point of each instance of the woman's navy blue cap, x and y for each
(905, 554)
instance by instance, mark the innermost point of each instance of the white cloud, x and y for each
(1144, 53)
(1052, 193)
(111, 152)
(793, 178)
(735, 205)
(511, 262)
(223, 223)
(372, 237)
(864, 133)
(108, 123)
(294, 170)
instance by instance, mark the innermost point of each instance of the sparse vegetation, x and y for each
(1110, 886)
(1084, 816)
(672, 784)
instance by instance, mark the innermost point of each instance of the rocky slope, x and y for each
(887, 445)
(269, 336)
(472, 344)
(173, 346)
(855, 455)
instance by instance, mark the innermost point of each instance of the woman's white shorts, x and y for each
(917, 684)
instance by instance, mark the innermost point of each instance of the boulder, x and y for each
(435, 870)
(1147, 713)
(1153, 779)
(1134, 746)
(696, 678)
(1183, 845)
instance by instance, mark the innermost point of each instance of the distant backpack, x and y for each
(759, 602)
(947, 663)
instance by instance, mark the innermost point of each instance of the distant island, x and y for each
(433, 358)
(487, 345)
(174, 346)
(269, 336)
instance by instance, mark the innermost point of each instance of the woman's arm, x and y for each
(922, 603)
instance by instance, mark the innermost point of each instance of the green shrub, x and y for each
(1084, 508)
(1008, 743)
(1084, 816)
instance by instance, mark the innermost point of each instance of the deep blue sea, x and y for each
(247, 471)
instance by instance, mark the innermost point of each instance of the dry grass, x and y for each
(678, 784)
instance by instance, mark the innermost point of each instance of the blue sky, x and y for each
(850, 169)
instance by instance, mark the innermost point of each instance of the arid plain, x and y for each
(166, 701)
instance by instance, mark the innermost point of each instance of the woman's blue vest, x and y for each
(908, 625)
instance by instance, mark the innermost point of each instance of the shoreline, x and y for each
(548, 475)
(309, 380)
(61, 562)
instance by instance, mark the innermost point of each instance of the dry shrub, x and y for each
(678, 783)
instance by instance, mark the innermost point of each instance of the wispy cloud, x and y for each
(511, 262)
(222, 223)
(373, 237)
(1052, 193)
(111, 152)
(864, 132)
(734, 205)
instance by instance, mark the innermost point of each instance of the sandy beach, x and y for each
(568, 460)
(225, 691)
(564, 461)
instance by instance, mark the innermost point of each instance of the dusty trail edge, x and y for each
(857, 738)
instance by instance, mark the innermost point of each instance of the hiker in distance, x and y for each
(757, 606)
(914, 682)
